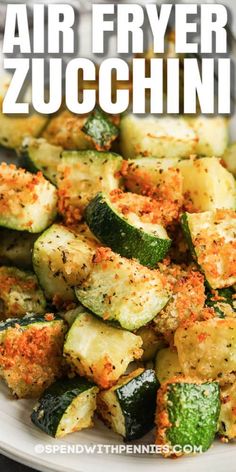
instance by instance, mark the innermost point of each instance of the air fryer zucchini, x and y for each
(117, 221)
(19, 293)
(211, 238)
(28, 202)
(16, 248)
(99, 351)
(187, 415)
(129, 407)
(207, 349)
(122, 290)
(81, 175)
(66, 406)
(31, 353)
(117, 263)
(62, 258)
(39, 155)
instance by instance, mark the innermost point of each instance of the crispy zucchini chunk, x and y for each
(167, 364)
(158, 137)
(65, 407)
(187, 415)
(207, 349)
(123, 290)
(62, 259)
(186, 302)
(65, 130)
(31, 353)
(16, 248)
(207, 185)
(19, 293)
(211, 238)
(129, 407)
(99, 351)
(81, 175)
(28, 202)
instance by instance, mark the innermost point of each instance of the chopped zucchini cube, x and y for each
(187, 415)
(19, 293)
(129, 407)
(99, 351)
(227, 420)
(62, 258)
(212, 134)
(154, 177)
(122, 290)
(66, 406)
(28, 202)
(207, 184)
(211, 238)
(127, 232)
(101, 130)
(65, 130)
(31, 353)
(188, 299)
(81, 175)
(158, 137)
(207, 349)
(16, 248)
(39, 155)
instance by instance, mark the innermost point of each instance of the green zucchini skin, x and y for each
(100, 129)
(226, 301)
(28, 321)
(55, 402)
(193, 412)
(125, 239)
(137, 399)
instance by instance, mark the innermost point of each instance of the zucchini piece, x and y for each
(121, 289)
(31, 353)
(211, 238)
(207, 184)
(66, 406)
(14, 128)
(159, 137)
(100, 129)
(81, 175)
(207, 349)
(62, 258)
(187, 415)
(16, 248)
(153, 177)
(99, 351)
(229, 158)
(129, 407)
(227, 420)
(188, 299)
(65, 130)
(28, 202)
(212, 133)
(127, 233)
(152, 342)
(222, 301)
(39, 155)
(19, 293)
(167, 364)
